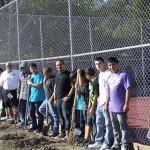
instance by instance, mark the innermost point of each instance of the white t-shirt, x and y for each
(103, 76)
(9, 81)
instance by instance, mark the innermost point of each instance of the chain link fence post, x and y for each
(70, 31)
(41, 40)
(18, 32)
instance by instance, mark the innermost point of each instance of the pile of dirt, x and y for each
(23, 141)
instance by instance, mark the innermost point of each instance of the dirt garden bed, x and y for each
(14, 138)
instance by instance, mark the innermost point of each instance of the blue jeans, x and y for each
(22, 112)
(34, 107)
(120, 128)
(52, 114)
(63, 110)
(80, 120)
(103, 120)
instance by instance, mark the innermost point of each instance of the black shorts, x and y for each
(7, 101)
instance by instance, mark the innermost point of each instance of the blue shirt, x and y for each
(79, 102)
(37, 94)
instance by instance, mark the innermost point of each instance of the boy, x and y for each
(118, 87)
(23, 94)
(102, 139)
(48, 83)
(37, 96)
(93, 95)
(81, 102)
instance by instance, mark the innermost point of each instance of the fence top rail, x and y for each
(89, 53)
(7, 4)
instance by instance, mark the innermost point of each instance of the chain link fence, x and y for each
(79, 30)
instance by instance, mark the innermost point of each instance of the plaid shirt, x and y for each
(23, 86)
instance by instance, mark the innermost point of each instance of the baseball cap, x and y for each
(24, 64)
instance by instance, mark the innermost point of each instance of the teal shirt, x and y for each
(37, 94)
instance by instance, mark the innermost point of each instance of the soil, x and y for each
(16, 138)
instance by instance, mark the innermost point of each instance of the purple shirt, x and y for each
(116, 85)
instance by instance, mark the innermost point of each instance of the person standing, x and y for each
(8, 89)
(102, 138)
(62, 94)
(92, 103)
(23, 94)
(118, 87)
(36, 98)
(49, 81)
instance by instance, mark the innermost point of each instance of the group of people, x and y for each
(99, 105)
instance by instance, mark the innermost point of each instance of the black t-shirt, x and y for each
(93, 90)
(62, 82)
(50, 86)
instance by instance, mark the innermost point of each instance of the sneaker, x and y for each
(64, 139)
(20, 124)
(4, 118)
(53, 135)
(38, 131)
(124, 148)
(78, 141)
(85, 141)
(60, 136)
(95, 145)
(105, 147)
(115, 147)
(11, 121)
(30, 130)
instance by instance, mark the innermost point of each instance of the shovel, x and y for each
(46, 126)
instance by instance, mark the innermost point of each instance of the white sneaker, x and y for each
(95, 145)
(4, 118)
(105, 147)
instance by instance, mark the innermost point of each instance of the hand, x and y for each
(54, 103)
(65, 99)
(125, 108)
(45, 79)
(91, 110)
(79, 71)
(105, 108)
(76, 85)
(51, 100)
(29, 82)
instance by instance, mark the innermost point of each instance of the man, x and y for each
(36, 98)
(102, 139)
(23, 94)
(62, 93)
(48, 82)
(8, 87)
(118, 87)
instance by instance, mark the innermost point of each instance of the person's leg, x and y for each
(100, 125)
(77, 119)
(10, 112)
(42, 110)
(55, 116)
(28, 117)
(116, 129)
(22, 110)
(66, 115)
(122, 118)
(59, 107)
(94, 125)
(82, 122)
(32, 115)
(40, 115)
(109, 130)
